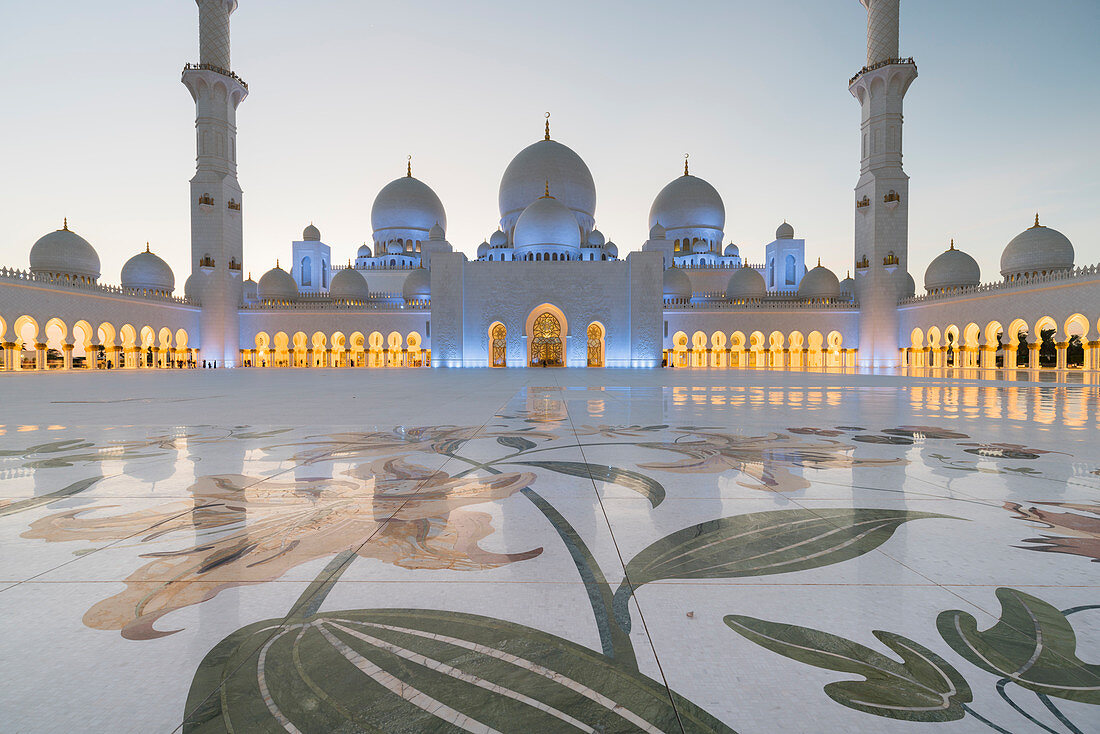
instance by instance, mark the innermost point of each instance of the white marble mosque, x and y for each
(548, 288)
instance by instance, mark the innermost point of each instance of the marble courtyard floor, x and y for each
(547, 550)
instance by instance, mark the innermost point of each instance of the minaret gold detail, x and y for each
(409, 168)
(547, 126)
(686, 157)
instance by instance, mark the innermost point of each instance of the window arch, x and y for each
(595, 344)
(498, 343)
(791, 270)
(306, 275)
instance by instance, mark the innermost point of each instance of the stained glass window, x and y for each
(500, 345)
(595, 346)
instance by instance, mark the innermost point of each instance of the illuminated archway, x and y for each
(498, 345)
(596, 334)
(547, 328)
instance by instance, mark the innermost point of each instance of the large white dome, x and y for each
(952, 269)
(64, 252)
(677, 285)
(406, 208)
(688, 203)
(746, 283)
(348, 285)
(417, 286)
(819, 283)
(547, 222)
(277, 285)
(146, 271)
(526, 177)
(1037, 251)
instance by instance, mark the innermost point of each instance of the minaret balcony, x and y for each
(879, 65)
(863, 266)
(863, 205)
(216, 70)
(891, 200)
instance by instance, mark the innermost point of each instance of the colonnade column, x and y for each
(40, 356)
(1062, 362)
(1092, 355)
(1033, 355)
(68, 351)
(9, 356)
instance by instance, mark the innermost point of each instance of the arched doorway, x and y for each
(498, 335)
(547, 348)
(595, 345)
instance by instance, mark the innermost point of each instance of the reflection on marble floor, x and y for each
(695, 557)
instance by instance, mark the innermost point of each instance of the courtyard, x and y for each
(548, 550)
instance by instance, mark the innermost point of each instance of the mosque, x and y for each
(548, 288)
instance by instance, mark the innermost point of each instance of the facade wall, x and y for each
(468, 298)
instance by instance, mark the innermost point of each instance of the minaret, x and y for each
(216, 233)
(882, 194)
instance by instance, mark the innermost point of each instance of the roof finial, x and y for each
(1037, 220)
(277, 264)
(686, 156)
(547, 126)
(547, 195)
(819, 262)
(66, 226)
(409, 168)
(952, 243)
(147, 247)
(250, 275)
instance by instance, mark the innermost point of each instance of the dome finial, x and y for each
(147, 247)
(952, 243)
(686, 156)
(277, 264)
(1037, 220)
(547, 126)
(65, 227)
(409, 168)
(547, 195)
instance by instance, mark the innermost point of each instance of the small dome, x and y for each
(657, 232)
(611, 249)
(277, 285)
(547, 222)
(952, 269)
(189, 288)
(688, 202)
(498, 239)
(1038, 250)
(819, 283)
(732, 250)
(700, 248)
(848, 286)
(596, 238)
(395, 248)
(746, 283)
(146, 271)
(436, 233)
(483, 249)
(64, 252)
(348, 285)
(910, 286)
(311, 234)
(524, 180)
(364, 251)
(677, 285)
(418, 286)
(406, 208)
(250, 289)
(785, 232)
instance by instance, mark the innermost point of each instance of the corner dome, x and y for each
(525, 178)
(690, 203)
(746, 283)
(732, 250)
(952, 269)
(277, 285)
(189, 288)
(436, 233)
(395, 248)
(819, 283)
(677, 285)
(910, 286)
(417, 286)
(348, 285)
(64, 252)
(311, 234)
(657, 232)
(145, 271)
(547, 222)
(848, 286)
(700, 248)
(406, 208)
(498, 239)
(611, 249)
(785, 232)
(596, 239)
(1037, 251)
(364, 251)
(483, 249)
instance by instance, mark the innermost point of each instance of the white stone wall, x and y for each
(623, 296)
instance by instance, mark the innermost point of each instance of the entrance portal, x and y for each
(546, 344)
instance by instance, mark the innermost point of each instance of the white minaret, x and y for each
(882, 194)
(216, 233)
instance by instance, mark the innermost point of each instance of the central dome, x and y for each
(688, 203)
(526, 176)
(547, 222)
(406, 208)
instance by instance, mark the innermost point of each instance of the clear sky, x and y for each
(97, 127)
